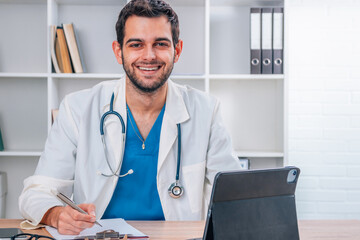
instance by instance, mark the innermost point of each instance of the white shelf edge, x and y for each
(86, 75)
(246, 3)
(89, 75)
(117, 75)
(246, 76)
(23, 1)
(13, 153)
(187, 76)
(189, 3)
(24, 75)
(265, 154)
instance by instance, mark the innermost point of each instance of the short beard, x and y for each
(137, 83)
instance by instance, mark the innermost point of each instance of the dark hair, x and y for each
(147, 8)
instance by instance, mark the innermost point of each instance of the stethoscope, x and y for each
(175, 189)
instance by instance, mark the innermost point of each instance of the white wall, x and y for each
(323, 61)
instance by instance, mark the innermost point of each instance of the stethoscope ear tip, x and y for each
(98, 173)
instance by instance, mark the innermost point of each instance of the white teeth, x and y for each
(148, 69)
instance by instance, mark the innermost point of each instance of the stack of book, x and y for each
(266, 40)
(65, 54)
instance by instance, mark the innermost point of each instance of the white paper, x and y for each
(116, 224)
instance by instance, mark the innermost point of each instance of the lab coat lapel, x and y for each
(113, 128)
(175, 112)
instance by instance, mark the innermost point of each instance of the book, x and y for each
(58, 54)
(73, 47)
(64, 51)
(52, 49)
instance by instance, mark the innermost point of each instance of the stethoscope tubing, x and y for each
(179, 154)
(102, 121)
(111, 111)
(116, 173)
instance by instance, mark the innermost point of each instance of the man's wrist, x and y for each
(51, 217)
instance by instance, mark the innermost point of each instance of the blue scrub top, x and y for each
(136, 196)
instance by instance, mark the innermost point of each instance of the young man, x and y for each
(145, 180)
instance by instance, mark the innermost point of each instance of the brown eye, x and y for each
(161, 44)
(135, 45)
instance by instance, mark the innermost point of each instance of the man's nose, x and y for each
(149, 53)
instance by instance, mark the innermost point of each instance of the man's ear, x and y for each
(178, 50)
(117, 51)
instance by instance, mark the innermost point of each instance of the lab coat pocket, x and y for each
(194, 176)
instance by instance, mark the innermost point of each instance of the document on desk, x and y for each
(117, 224)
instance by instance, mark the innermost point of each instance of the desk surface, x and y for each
(161, 230)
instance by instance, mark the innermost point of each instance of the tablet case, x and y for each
(255, 204)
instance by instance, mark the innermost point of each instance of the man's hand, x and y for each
(69, 221)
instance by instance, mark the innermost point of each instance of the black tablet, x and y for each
(253, 204)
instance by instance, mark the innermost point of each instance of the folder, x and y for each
(266, 40)
(278, 37)
(255, 40)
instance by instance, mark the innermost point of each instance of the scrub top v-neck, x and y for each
(136, 196)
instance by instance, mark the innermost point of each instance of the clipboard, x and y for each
(253, 204)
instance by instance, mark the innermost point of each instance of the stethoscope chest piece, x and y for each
(175, 190)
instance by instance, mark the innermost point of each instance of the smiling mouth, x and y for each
(148, 68)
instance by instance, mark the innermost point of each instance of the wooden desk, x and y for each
(309, 229)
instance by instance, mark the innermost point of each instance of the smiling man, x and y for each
(159, 145)
(147, 53)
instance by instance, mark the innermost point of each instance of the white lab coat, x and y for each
(74, 155)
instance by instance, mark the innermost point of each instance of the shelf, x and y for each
(18, 153)
(115, 76)
(90, 2)
(86, 75)
(247, 3)
(23, 1)
(246, 76)
(187, 76)
(23, 75)
(260, 154)
(123, 2)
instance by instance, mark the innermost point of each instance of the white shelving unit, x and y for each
(215, 59)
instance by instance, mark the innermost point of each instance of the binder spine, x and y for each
(278, 61)
(278, 36)
(266, 41)
(255, 40)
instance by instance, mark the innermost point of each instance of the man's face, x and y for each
(148, 54)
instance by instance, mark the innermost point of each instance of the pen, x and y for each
(67, 201)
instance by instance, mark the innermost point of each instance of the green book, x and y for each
(1, 142)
